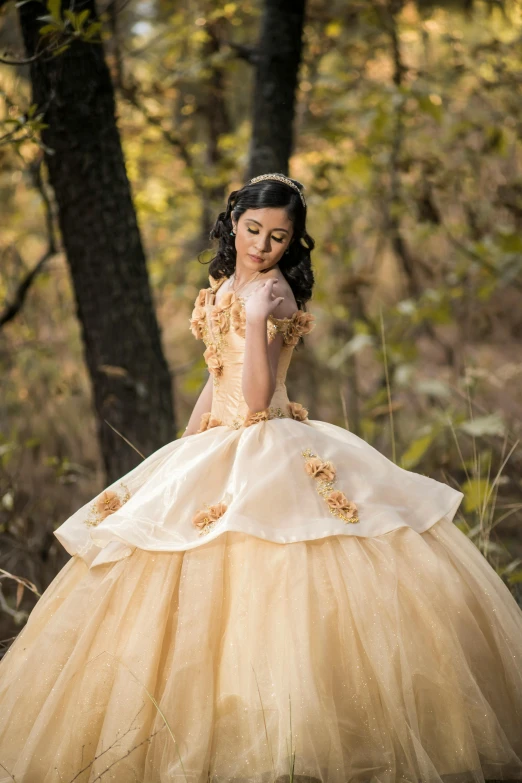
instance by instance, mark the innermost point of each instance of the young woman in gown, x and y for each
(267, 597)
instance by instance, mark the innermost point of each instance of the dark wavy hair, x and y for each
(296, 265)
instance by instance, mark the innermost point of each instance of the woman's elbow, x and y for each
(257, 401)
(257, 404)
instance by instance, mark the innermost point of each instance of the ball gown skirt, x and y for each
(370, 655)
(269, 599)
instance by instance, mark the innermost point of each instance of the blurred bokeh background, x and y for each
(124, 126)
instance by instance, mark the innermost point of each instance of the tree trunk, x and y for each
(219, 124)
(130, 379)
(278, 57)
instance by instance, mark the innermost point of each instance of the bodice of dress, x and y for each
(221, 325)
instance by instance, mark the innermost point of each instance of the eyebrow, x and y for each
(260, 224)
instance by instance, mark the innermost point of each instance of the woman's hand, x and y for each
(262, 302)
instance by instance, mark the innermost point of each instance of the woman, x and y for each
(268, 597)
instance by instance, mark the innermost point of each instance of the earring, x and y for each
(287, 249)
(232, 233)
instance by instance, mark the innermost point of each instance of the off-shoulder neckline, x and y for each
(214, 288)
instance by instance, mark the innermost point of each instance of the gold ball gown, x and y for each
(268, 599)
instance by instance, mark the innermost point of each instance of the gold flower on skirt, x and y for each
(213, 361)
(297, 411)
(257, 416)
(107, 503)
(316, 468)
(205, 519)
(324, 472)
(207, 421)
(338, 501)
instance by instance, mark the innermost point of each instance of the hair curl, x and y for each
(295, 265)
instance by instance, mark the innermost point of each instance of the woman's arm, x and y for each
(203, 405)
(260, 364)
(261, 358)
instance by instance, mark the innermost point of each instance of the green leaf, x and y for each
(83, 16)
(475, 491)
(413, 455)
(54, 6)
(510, 242)
(60, 50)
(93, 28)
(48, 28)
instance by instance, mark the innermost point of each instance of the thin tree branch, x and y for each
(15, 306)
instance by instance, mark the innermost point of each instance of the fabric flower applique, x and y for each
(300, 323)
(206, 519)
(213, 360)
(297, 411)
(316, 468)
(197, 319)
(105, 504)
(256, 416)
(221, 313)
(337, 500)
(294, 410)
(215, 282)
(324, 473)
(197, 322)
(208, 421)
(238, 318)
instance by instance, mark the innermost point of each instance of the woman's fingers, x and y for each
(271, 281)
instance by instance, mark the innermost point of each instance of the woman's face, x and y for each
(262, 236)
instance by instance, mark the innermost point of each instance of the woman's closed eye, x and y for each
(277, 239)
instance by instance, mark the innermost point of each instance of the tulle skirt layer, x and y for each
(368, 660)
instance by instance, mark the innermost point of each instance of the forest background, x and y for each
(123, 126)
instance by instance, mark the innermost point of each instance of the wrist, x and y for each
(256, 319)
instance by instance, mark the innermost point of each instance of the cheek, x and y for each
(241, 242)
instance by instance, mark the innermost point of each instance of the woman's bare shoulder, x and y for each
(288, 306)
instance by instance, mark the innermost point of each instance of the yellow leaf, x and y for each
(413, 455)
(475, 491)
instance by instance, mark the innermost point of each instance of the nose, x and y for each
(262, 244)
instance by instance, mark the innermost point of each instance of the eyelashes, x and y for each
(276, 239)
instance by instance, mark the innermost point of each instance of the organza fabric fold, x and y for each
(364, 659)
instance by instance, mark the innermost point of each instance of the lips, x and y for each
(256, 258)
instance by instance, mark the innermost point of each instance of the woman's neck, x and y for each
(243, 278)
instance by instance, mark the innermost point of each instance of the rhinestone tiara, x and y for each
(279, 178)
